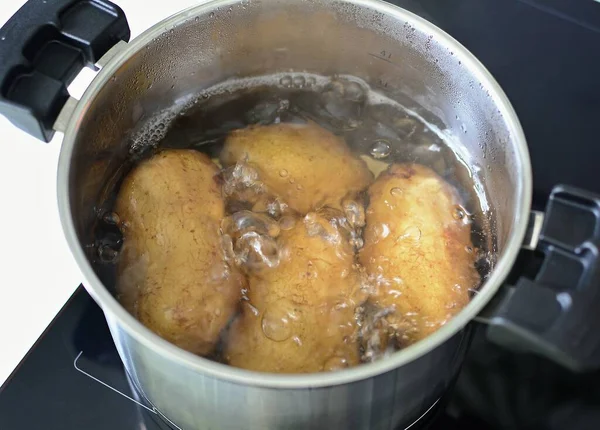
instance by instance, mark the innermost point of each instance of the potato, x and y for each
(300, 315)
(417, 250)
(304, 165)
(172, 273)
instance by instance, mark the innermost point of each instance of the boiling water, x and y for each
(376, 129)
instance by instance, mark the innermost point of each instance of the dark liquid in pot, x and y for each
(375, 128)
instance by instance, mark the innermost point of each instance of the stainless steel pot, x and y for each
(43, 47)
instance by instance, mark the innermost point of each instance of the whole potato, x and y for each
(417, 250)
(172, 273)
(300, 315)
(304, 165)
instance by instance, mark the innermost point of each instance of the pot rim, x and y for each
(113, 309)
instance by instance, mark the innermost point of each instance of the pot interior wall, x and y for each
(407, 61)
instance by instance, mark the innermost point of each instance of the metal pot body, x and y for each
(393, 50)
(190, 399)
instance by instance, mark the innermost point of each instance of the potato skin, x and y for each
(172, 273)
(305, 165)
(315, 289)
(418, 250)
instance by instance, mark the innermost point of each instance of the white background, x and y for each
(37, 273)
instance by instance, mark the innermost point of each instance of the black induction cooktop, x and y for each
(544, 53)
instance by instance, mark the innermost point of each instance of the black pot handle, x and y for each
(43, 46)
(557, 313)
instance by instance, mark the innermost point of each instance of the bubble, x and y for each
(469, 249)
(396, 192)
(354, 212)
(354, 92)
(411, 233)
(107, 254)
(299, 187)
(255, 251)
(310, 81)
(287, 222)
(298, 81)
(245, 221)
(357, 242)
(337, 87)
(283, 105)
(277, 320)
(227, 246)
(405, 127)
(336, 363)
(381, 231)
(239, 178)
(319, 226)
(283, 173)
(111, 218)
(459, 213)
(380, 149)
(286, 81)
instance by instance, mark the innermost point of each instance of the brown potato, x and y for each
(417, 251)
(304, 165)
(300, 315)
(172, 272)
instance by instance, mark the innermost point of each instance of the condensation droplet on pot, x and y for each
(299, 81)
(396, 192)
(211, 15)
(310, 81)
(380, 149)
(286, 81)
(197, 19)
(107, 254)
(111, 218)
(283, 173)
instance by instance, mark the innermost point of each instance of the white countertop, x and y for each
(37, 272)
